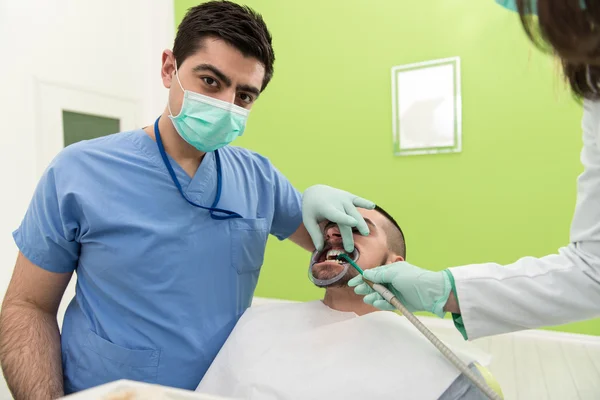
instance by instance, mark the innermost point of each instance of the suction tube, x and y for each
(453, 358)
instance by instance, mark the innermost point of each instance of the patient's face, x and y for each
(373, 249)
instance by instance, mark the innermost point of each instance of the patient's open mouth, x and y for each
(331, 255)
(329, 269)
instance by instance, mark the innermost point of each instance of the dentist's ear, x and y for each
(168, 68)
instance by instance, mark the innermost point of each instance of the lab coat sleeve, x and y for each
(551, 290)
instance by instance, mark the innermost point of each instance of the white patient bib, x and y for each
(308, 351)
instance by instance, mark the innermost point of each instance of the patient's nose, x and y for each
(332, 235)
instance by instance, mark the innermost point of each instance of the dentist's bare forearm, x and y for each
(302, 238)
(30, 352)
(452, 305)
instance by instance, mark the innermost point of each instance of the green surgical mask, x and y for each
(207, 123)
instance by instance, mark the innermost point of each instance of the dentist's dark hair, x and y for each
(237, 25)
(568, 29)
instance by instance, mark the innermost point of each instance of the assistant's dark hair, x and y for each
(396, 241)
(570, 30)
(239, 26)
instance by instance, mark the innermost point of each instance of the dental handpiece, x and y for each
(453, 358)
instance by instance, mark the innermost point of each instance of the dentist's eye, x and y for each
(210, 81)
(246, 98)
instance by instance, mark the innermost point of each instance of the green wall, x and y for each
(326, 118)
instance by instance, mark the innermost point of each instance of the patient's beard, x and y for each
(343, 282)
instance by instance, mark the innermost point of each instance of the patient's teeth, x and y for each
(333, 253)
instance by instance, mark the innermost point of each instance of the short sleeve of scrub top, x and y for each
(48, 233)
(287, 216)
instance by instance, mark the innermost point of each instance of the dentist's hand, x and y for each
(418, 289)
(323, 203)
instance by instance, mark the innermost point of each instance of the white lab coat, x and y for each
(552, 290)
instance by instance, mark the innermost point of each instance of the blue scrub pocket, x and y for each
(101, 361)
(248, 242)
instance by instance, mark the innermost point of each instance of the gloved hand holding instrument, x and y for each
(420, 290)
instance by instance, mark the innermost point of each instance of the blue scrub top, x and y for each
(160, 284)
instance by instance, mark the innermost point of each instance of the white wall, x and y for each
(109, 48)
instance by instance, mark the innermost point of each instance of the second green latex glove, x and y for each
(417, 288)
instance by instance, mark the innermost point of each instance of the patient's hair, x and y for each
(395, 236)
(239, 26)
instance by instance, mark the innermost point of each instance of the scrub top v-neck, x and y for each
(214, 211)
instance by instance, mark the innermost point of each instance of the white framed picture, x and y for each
(426, 107)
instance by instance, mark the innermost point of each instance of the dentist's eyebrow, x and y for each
(250, 89)
(218, 73)
(227, 80)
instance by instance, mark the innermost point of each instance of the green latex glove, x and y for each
(323, 203)
(418, 289)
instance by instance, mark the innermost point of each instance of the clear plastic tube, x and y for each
(450, 356)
